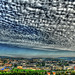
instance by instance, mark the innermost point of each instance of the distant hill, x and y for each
(67, 58)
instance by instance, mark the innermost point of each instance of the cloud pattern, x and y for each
(38, 23)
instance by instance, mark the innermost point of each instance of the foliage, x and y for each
(16, 71)
(24, 72)
(73, 73)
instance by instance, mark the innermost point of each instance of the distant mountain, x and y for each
(21, 58)
(67, 58)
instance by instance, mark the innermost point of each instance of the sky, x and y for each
(33, 29)
(13, 51)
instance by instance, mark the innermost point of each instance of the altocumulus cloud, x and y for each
(38, 24)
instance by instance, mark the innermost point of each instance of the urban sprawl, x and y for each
(37, 66)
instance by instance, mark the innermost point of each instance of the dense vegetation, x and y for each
(34, 72)
(24, 72)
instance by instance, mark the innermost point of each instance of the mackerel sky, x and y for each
(40, 28)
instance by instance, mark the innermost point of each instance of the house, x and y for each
(19, 67)
(7, 65)
(1, 63)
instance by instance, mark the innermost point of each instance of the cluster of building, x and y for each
(36, 64)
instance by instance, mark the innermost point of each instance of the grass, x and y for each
(23, 72)
(26, 70)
